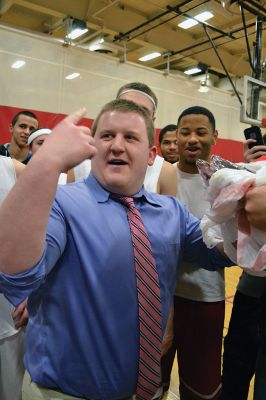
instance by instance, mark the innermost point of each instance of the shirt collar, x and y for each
(102, 195)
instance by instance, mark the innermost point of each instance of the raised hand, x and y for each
(69, 143)
(253, 153)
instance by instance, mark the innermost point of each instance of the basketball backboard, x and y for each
(253, 109)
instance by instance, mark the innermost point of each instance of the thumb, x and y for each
(76, 116)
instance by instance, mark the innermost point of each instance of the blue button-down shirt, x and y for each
(83, 335)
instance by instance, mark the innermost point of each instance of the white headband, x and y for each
(139, 91)
(37, 133)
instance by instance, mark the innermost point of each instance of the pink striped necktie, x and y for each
(149, 304)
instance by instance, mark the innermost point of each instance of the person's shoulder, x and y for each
(167, 183)
(18, 166)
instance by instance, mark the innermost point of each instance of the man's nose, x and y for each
(193, 137)
(27, 130)
(173, 146)
(117, 143)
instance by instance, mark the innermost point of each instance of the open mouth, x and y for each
(192, 150)
(117, 162)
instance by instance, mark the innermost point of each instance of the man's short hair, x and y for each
(198, 110)
(25, 112)
(167, 128)
(264, 138)
(126, 106)
(141, 87)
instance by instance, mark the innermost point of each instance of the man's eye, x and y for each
(107, 136)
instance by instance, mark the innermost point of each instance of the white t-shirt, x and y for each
(82, 170)
(197, 283)
(7, 180)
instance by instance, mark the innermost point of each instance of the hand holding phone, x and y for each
(254, 132)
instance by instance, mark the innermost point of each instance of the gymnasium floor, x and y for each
(231, 279)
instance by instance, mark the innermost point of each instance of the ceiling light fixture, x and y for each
(76, 28)
(204, 84)
(18, 64)
(203, 87)
(202, 17)
(150, 56)
(96, 44)
(72, 76)
(192, 71)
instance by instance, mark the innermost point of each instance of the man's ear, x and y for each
(152, 155)
(215, 137)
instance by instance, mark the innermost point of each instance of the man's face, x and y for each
(169, 147)
(22, 129)
(37, 143)
(123, 152)
(140, 100)
(195, 137)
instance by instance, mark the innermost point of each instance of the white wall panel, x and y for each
(41, 83)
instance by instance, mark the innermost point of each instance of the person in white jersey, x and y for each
(160, 177)
(199, 297)
(11, 336)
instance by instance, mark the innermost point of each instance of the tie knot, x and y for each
(127, 201)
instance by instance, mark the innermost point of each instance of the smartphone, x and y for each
(254, 132)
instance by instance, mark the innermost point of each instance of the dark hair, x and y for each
(126, 106)
(264, 138)
(167, 128)
(27, 113)
(142, 87)
(198, 110)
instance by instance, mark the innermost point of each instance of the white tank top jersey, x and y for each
(197, 284)
(7, 180)
(82, 170)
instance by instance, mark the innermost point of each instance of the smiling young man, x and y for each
(23, 123)
(168, 143)
(199, 295)
(88, 260)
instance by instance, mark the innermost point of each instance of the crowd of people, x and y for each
(103, 263)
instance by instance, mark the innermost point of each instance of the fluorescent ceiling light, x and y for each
(73, 75)
(77, 33)
(18, 64)
(192, 71)
(150, 56)
(202, 17)
(188, 23)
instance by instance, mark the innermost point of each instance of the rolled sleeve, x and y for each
(19, 286)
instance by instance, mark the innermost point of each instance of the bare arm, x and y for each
(167, 182)
(255, 206)
(31, 198)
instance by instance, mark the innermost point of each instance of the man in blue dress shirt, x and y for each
(73, 256)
